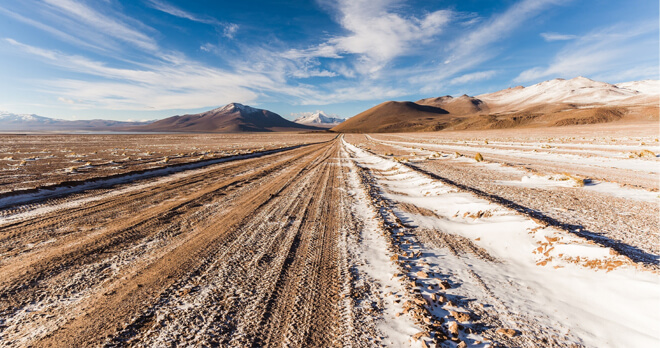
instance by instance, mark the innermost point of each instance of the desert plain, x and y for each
(492, 238)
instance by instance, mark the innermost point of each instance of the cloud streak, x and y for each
(599, 52)
(228, 29)
(113, 27)
(472, 77)
(557, 37)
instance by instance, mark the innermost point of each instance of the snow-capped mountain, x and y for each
(11, 122)
(6, 117)
(579, 90)
(319, 119)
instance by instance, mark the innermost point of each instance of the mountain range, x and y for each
(557, 102)
(30, 122)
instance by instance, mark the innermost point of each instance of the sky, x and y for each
(150, 59)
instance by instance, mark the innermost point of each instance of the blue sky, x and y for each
(147, 59)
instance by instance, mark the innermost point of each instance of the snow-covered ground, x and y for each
(539, 280)
(545, 181)
(620, 162)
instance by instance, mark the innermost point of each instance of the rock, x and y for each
(444, 285)
(462, 345)
(394, 258)
(460, 316)
(453, 328)
(420, 334)
(422, 274)
(506, 332)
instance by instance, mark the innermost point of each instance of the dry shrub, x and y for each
(643, 153)
(646, 153)
(478, 157)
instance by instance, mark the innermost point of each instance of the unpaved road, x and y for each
(324, 245)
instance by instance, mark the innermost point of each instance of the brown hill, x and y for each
(394, 116)
(231, 118)
(463, 105)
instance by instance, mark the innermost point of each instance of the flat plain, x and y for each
(516, 238)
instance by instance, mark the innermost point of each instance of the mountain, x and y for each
(30, 122)
(319, 119)
(579, 90)
(463, 105)
(395, 116)
(557, 102)
(231, 118)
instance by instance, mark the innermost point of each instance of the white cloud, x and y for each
(476, 76)
(557, 37)
(230, 30)
(605, 52)
(376, 34)
(207, 47)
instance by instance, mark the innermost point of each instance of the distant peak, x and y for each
(318, 117)
(236, 107)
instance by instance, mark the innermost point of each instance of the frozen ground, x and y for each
(358, 241)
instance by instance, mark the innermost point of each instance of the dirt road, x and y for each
(306, 247)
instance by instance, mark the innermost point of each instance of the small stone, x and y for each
(506, 332)
(444, 285)
(453, 328)
(460, 316)
(462, 345)
(422, 274)
(420, 334)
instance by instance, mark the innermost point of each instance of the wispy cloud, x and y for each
(228, 29)
(177, 12)
(110, 26)
(478, 45)
(557, 37)
(65, 100)
(476, 76)
(49, 29)
(172, 83)
(600, 52)
(497, 28)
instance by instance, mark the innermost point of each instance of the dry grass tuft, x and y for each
(643, 153)
(478, 157)
(576, 180)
